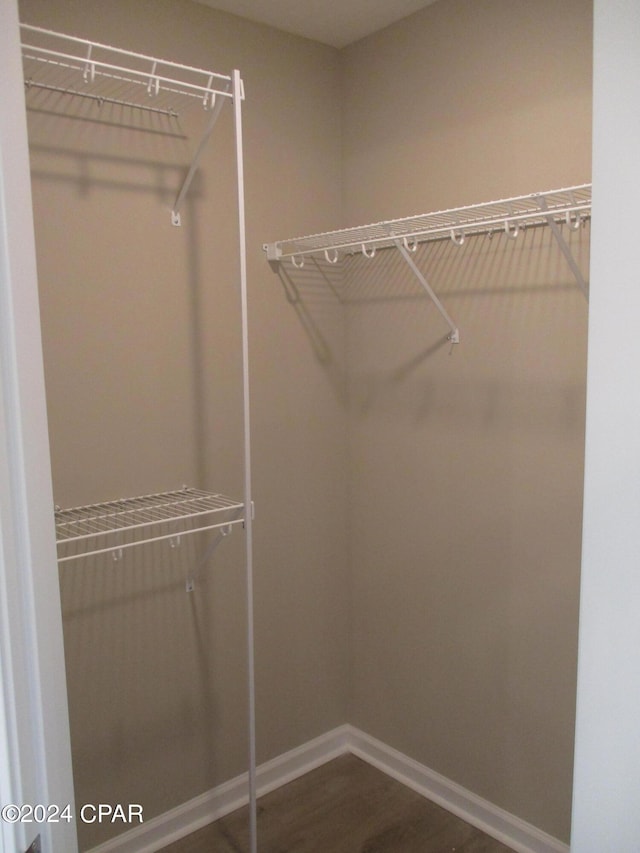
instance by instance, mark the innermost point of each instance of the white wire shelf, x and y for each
(62, 63)
(116, 525)
(571, 205)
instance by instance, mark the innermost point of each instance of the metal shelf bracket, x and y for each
(564, 246)
(454, 335)
(216, 106)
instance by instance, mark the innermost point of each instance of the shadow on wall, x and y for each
(152, 672)
(316, 293)
(516, 302)
(126, 299)
(518, 308)
(97, 134)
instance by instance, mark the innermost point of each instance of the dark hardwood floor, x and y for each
(345, 806)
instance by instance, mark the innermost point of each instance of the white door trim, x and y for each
(34, 724)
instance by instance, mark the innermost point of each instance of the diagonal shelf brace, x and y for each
(566, 251)
(213, 118)
(454, 336)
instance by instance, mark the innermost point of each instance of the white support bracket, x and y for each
(454, 335)
(566, 251)
(273, 252)
(218, 102)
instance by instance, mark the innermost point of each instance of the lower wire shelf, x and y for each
(115, 525)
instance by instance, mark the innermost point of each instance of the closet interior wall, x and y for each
(142, 361)
(466, 468)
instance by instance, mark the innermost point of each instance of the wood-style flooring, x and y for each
(345, 806)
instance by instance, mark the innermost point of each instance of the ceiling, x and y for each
(334, 22)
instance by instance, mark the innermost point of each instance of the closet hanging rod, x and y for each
(522, 211)
(117, 549)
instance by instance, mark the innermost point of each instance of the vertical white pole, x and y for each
(248, 503)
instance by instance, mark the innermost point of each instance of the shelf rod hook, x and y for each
(89, 73)
(511, 234)
(297, 264)
(209, 100)
(153, 86)
(331, 258)
(457, 239)
(574, 225)
(368, 253)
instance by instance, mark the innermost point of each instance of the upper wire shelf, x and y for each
(74, 66)
(59, 63)
(571, 205)
(115, 525)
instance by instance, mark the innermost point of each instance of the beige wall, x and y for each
(466, 469)
(140, 326)
(450, 485)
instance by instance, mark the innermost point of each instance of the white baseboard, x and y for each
(494, 821)
(156, 833)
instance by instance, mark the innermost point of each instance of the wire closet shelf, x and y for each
(571, 206)
(57, 62)
(112, 526)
